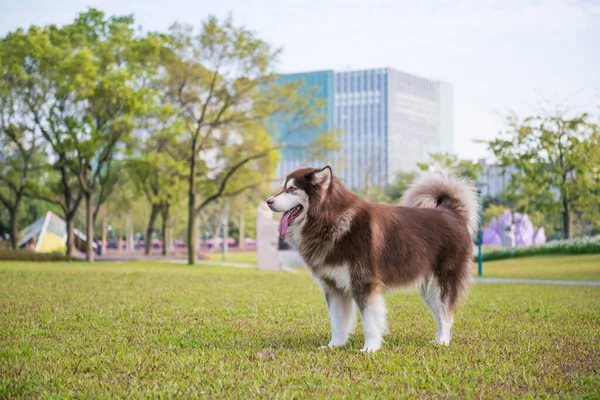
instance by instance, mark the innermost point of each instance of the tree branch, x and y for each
(226, 178)
(37, 196)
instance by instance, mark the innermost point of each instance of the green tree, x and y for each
(29, 59)
(156, 171)
(446, 161)
(85, 90)
(392, 192)
(558, 165)
(21, 154)
(222, 81)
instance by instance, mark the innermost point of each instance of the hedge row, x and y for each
(587, 245)
(22, 255)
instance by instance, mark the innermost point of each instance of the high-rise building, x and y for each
(319, 84)
(390, 121)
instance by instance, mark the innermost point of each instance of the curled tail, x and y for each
(449, 191)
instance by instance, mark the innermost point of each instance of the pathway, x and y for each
(535, 281)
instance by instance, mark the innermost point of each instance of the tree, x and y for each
(83, 89)
(446, 161)
(28, 63)
(390, 193)
(20, 152)
(558, 165)
(17, 169)
(223, 83)
(155, 169)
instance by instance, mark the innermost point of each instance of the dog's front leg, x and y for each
(342, 315)
(373, 314)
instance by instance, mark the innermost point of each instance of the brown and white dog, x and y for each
(356, 249)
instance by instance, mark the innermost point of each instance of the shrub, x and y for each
(585, 245)
(22, 255)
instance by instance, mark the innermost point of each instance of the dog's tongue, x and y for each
(283, 225)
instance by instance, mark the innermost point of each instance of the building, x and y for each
(320, 86)
(390, 121)
(495, 178)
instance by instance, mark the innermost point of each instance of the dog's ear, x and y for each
(322, 177)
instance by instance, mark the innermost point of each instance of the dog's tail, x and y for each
(446, 190)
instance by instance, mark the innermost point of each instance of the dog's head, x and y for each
(302, 187)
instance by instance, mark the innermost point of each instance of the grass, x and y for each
(568, 268)
(579, 268)
(157, 330)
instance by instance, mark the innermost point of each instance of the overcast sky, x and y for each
(499, 55)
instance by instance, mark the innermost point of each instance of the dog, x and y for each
(356, 249)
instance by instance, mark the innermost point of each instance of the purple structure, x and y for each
(524, 232)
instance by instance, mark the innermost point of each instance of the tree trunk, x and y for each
(119, 238)
(150, 229)
(129, 244)
(104, 234)
(242, 228)
(225, 230)
(566, 218)
(192, 238)
(70, 235)
(89, 218)
(14, 219)
(165, 222)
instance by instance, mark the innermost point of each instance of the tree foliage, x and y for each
(81, 91)
(21, 156)
(392, 192)
(557, 160)
(223, 83)
(451, 162)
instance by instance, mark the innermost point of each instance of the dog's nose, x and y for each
(270, 201)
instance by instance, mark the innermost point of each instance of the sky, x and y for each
(520, 56)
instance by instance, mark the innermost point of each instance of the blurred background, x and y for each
(158, 128)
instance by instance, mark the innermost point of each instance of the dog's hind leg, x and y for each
(342, 315)
(431, 293)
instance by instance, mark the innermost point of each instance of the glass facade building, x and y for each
(389, 121)
(320, 85)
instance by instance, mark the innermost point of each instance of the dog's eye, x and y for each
(292, 190)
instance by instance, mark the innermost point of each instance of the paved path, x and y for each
(535, 281)
(217, 263)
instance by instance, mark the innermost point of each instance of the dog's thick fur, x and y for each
(356, 249)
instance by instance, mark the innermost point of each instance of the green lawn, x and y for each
(245, 257)
(156, 330)
(578, 268)
(573, 268)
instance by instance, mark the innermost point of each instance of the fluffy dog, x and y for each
(356, 249)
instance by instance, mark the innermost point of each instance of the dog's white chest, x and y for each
(338, 276)
(293, 235)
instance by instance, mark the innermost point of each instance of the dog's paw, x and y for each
(370, 349)
(438, 342)
(332, 345)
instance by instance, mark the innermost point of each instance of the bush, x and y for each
(22, 255)
(585, 245)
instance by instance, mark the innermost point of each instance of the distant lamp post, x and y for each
(479, 186)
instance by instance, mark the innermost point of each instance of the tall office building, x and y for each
(390, 121)
(320, 85)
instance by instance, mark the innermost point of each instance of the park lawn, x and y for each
(242, 257)
(165, 330)
(575, 268)
(559, 267)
